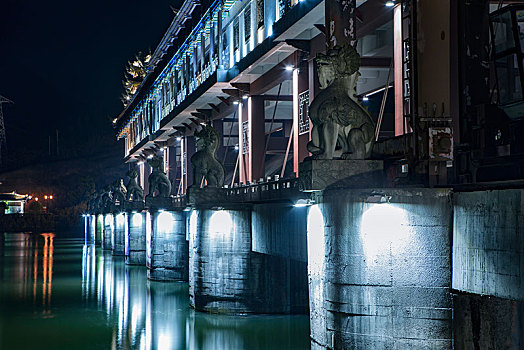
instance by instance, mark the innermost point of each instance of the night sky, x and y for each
(62, 63)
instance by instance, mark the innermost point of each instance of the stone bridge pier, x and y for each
(138, 222)
(167, 246)
(120, 229)
(99, 229)
(379, 266)
(108, 235)
(228, 275)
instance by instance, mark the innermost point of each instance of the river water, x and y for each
(59, 293)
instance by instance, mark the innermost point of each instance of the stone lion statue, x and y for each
(106, 197)
(135, 193)
(158, 180)
(204, 161)
(342, 127)
(119, 191)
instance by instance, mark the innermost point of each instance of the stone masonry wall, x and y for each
(379, 273)
(225, 275)
(108, 231)
(119, 232)
(169, 258)
(488, 243)
(136, 240)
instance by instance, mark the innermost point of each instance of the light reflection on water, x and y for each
(68, 295)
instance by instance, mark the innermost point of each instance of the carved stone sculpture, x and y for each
(119, 191)
(106, 198)
(341, 125)
(135, 193)
(204, 161)
(158, 180)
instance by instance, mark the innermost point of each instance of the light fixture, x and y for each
(289, 68)
(235, 102)
(236, 147)
(245, 97)
(303, 203)
(51, 197)
(179, 138)
(378, 198)
(390, 3)
(365, 98)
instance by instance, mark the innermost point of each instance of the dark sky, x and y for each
(62, 63)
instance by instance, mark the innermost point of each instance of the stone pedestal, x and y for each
(321, 174)
(119, 233)
(167, 247)
(135, 251)
(379, 271)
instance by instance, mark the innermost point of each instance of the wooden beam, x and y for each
(302, 45)
(215, 107)
(244, 87)
(276, 97)
(225, 100)
(369, 61)
(206, 112)
(231, 92)
(274, 76)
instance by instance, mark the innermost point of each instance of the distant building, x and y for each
(15, 202)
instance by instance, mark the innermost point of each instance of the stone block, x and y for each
(318, 175)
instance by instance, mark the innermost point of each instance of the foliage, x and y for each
(35, 208)
(3, 207)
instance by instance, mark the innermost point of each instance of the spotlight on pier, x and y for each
(303, 203)
(390, 3)
(289, 68)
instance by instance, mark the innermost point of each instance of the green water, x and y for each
(57, 293)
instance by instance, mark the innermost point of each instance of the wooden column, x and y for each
(256, 117)
(301, 134)
(340, 22)
(218, 124)
(243, 142)
(398, 68)
(173, 166)
(183, 165)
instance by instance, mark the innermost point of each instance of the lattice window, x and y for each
(303, 113)
(236, 35)
(260, 13)
(245, 137)
(247, 23)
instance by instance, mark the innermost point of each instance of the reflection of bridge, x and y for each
(157, 316)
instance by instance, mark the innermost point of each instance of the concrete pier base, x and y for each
(379, 269)
(99, 229)
(108, 232)
(119, 233)
(135, 245)
(91, 229)
(225, 275)
(167, 247)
